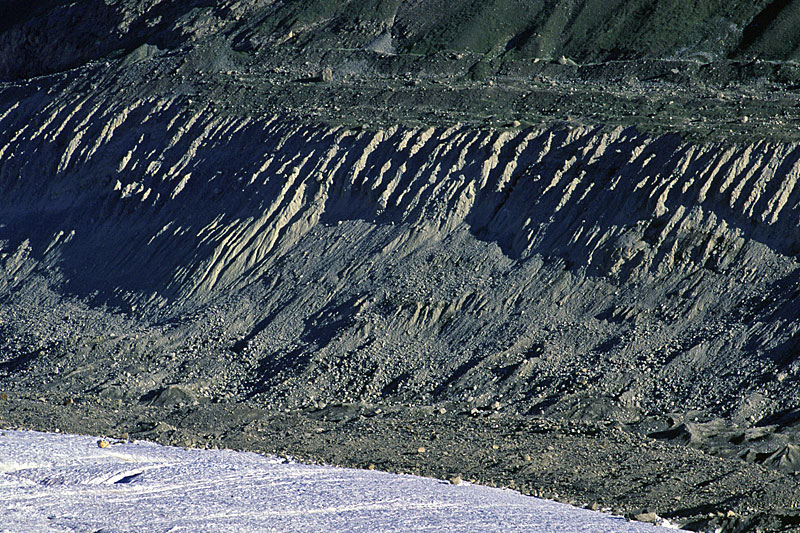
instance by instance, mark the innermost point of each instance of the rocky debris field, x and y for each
(250, 225)
(596, 465)
(53, 482)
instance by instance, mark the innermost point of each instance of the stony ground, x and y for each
(597, 465)
(215, 233)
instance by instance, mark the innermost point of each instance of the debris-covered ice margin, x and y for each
(56, 482)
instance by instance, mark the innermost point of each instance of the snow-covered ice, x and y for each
(52, 482)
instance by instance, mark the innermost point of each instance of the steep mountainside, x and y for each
(539, 268)
(57, 34)
(319, 208)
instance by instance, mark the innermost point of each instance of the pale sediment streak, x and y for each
(241, 188)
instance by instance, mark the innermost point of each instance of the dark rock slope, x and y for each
(544, 269)
(190, 214)
(51, 35)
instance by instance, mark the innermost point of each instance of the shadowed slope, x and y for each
(586, 30)
(522, 266)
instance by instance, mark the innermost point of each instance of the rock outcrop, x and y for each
(586, 270)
